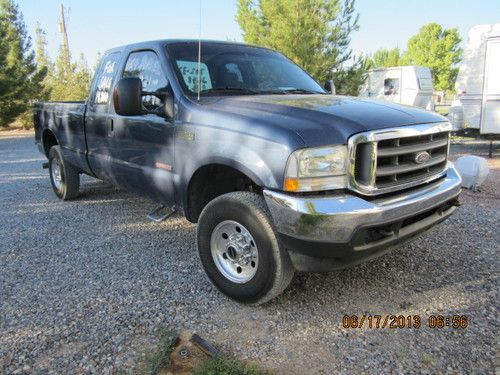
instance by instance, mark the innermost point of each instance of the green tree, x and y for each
(386, 58)
(439, 49)
(20, 80)
(315, 34)
(42, 59)
(43, 63)
(71, 81)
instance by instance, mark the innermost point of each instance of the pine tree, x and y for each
(314, 34)
(70, 81)
(20, 80)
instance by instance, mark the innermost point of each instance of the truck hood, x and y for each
(322, 119)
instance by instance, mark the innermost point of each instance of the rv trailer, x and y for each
(478, 83)
(411, 85)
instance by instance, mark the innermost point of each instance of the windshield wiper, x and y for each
(300, 91)
(228, 89)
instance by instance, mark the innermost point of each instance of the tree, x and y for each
(439, 49)
(315, 34)
(43, 64)
(20, 80)
(386, 58)
(70, 81)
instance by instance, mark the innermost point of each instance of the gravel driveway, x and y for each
(85, 285)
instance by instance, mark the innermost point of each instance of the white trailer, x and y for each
(478, 82)
(411, 85)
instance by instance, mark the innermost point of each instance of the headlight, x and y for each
(314, 169)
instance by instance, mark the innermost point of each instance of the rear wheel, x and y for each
(239, 249)
(64, 177)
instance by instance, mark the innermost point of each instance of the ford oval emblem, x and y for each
(421, 157)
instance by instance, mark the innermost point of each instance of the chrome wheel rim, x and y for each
(56, 174)
(234, 251)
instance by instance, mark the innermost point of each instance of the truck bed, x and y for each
(66, 119)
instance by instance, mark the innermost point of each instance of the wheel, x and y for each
(239, 249)
(64, 177)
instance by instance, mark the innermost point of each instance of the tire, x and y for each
(266, 269)
(64, 178)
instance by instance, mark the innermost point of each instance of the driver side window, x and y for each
(146, 66)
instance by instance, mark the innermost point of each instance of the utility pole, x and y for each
(64, 33)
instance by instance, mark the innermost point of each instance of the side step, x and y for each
(160, 213)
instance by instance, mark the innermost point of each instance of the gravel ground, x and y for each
(85, 286)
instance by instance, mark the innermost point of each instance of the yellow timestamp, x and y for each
(394, 321)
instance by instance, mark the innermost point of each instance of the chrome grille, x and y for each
(394, 159)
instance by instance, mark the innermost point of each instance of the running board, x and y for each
(160, 213)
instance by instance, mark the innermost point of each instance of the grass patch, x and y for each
(442, 110)
(161, 358)
(427, 359)
(228, 366)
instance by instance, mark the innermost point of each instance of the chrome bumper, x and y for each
(336, 219)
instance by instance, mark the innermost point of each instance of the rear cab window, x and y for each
(104, 78)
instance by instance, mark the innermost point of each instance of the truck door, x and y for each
(142, 146)
(490, 116)
(98, 126)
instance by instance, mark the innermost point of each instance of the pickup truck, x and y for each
(280, 174)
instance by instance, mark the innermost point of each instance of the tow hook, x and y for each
(455, 202)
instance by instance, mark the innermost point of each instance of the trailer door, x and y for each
(490, 116)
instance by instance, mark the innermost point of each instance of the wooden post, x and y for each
(64, 33)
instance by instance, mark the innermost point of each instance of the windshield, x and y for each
(232, 69)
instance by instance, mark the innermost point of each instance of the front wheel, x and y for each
(65, 178)
(239, 249)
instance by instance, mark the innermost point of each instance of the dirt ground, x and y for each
(86, 285)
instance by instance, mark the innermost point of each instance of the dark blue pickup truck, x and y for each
(281, 175)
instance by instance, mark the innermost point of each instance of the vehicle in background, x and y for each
(478, 83)
(410, 85)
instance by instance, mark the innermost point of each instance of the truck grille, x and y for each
(399, 158)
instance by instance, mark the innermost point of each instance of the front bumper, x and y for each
(325, 232)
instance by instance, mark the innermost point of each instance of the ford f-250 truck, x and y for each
(280, 175)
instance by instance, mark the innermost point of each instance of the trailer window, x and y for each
(391, 86)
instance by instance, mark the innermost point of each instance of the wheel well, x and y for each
(211, 181)
(49, 140)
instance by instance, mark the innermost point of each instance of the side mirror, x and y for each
(330, 87)
(127, 97)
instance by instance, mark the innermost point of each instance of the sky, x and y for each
(97, 25)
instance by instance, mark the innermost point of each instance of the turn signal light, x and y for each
(291, 184)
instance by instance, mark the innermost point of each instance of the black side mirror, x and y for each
(127, 97)
(330, 86)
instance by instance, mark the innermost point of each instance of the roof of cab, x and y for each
(157, 42)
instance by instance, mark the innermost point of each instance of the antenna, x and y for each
(199, 57)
